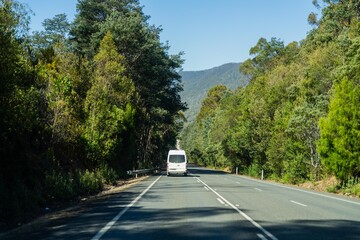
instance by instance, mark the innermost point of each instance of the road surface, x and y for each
(209, 204)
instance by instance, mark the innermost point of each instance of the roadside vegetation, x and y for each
(81, 103)
(298, 119)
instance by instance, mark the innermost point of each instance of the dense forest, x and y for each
(81, 102)
(298, 119)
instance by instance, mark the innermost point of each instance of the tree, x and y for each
(339, 143)
(265, 52)
(22, 126)
(108, 104)
(56, 31)
(91, 15)
(303, 129)
(211, 102)
(153, 72)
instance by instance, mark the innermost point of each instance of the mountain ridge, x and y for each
(197, 83)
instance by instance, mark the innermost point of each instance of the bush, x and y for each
(108, 174)
(352, 187)
(355, 190)
(254, 171)
(90, 182)
(59, 186)
(333, 188)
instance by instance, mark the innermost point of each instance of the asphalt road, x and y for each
(210, 205)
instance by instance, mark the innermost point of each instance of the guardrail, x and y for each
(140, 172)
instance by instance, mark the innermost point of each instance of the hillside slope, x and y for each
(197, 83)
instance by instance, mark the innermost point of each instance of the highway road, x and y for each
(209, 204)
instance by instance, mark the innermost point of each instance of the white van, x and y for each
(176, 162)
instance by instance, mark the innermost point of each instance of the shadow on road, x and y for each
(167, 222)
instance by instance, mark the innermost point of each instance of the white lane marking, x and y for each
(237, 205)
(206, 188)
(237, 182)
(220, 201)
(258, 189)
(262, 237)
(241, 213)
(298, 203)
(304, 191)
(117, 217)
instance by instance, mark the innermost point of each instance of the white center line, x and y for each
(240, 212)
(298, 203)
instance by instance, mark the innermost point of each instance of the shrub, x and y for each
(59, 186)
(90, 182)
(108, 174)
(333, 188)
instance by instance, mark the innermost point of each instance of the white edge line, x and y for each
(117, 217)
(262, 237)
(304, 191)
(241, 212)
(220, 201)
(298, 203)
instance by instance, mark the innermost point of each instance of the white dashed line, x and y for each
(240, 212)
(298, 203)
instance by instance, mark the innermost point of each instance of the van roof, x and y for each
(176, 152)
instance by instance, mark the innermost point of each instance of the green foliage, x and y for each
(353, 190)
(211, 102)
(106, 101)
(62, 186)
(108, 174)
(59, 186)
(78, 109)
(90, 182)
(339, 142)
(253, 170)
(272, 124)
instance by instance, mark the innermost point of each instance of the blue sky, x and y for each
(210, 32)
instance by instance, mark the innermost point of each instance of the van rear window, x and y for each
(176, 158)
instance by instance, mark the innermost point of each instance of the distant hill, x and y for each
(197, 84)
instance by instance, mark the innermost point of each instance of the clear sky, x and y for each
(210, 32)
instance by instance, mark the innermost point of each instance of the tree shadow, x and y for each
(157, 220)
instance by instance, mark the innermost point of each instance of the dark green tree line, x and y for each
(81, 102)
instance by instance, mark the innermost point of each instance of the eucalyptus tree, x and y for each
(153, 71)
